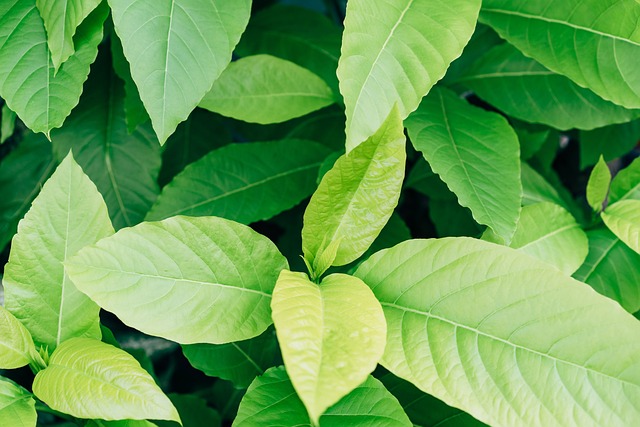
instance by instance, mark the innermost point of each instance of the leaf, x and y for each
(610, 141)
(590, 42)
(272, 401)
(244, 182)
(177, 49)
(626, 184)
(67, 215)
(17, 406)
(623, 219)
(61, 19)
(393, 52)
(213, 275)
(598, 185)
(475, 152)
(265, 89)
(537, 189)
(7, 125)
(87, 378)
(504, 77)
(119, 423)
(112, 157)
(612, 269)
(451, 219)
(331, 335)
(357, 196)
(15, 342)
(238, 362)
(29, 83)
(504, 337)
(193, 411)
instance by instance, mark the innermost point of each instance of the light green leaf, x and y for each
(393, 52)
(87, 378)
(612, 269)
(504, 77)
(610, 142)
(120, 423)
(213, 275)
(331, 335)
(16, 345)
(177, 49)
(265, 89)
(475, 152)
(626, 184)
(29, 83)
(357, 196)
(61, 19)
(7, 124)
(244, 182)
(594, 43)
(67, 215)
(623, 219)
(124, 166)
(272, 401)
(504, 337)
(17, 406)
(598, 185)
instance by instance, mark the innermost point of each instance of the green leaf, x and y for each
(61, 19)
(331, 335)
(626, 184)
(119, 423)
(612, 269)
(393, 52)
(357, 196)
(17, 406)
(124, 166)
(504, 337)
(610, 142)
(15, 342)
(29, 83)
(8, 124)
(537, 189)
(451, 219)
(238, 362)
(193, 411)
(265, 89)
(475, 152)
(67, 215)
(90, 379)
(244, 182)
(591, 42)
(504, 77)
(623, 219)
(272, 401)
(598, 185)
(532, 138)
(176, 50)
(213, 275)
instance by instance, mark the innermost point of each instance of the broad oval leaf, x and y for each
(475, 152)
(17, 406)
(271, 401)
(598, 185)
(214, 276)
(623, 218)
(594, 43)
(265, 89)
(87, 378)
(244, 182)
(67, 215)
(626, 184)
(15, 342)
(177, 49)
(331, 335)
(357, 196)
(506, 78)
(393, 52)
(502, 336)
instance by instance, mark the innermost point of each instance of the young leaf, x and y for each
(504, 337)
(609, 142)
(15, 342)
(29, 84)
(357, 196)
(626, 184)
(177, 49)
(7, 124)
(244, 182)
(265, 89)
(598, 185)
(393, 52)
(591, 42)
(61, 19)
(213, 276)
(87, 378)
(331, 335)
(68, 214)
(623, 218)
(17, 406)
(475, 152)
(272, 401)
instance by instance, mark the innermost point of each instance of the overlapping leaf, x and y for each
(17, 406)
(623, 218)
(15, 342)
(598, 185)
(626, 184)
(610, 142)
